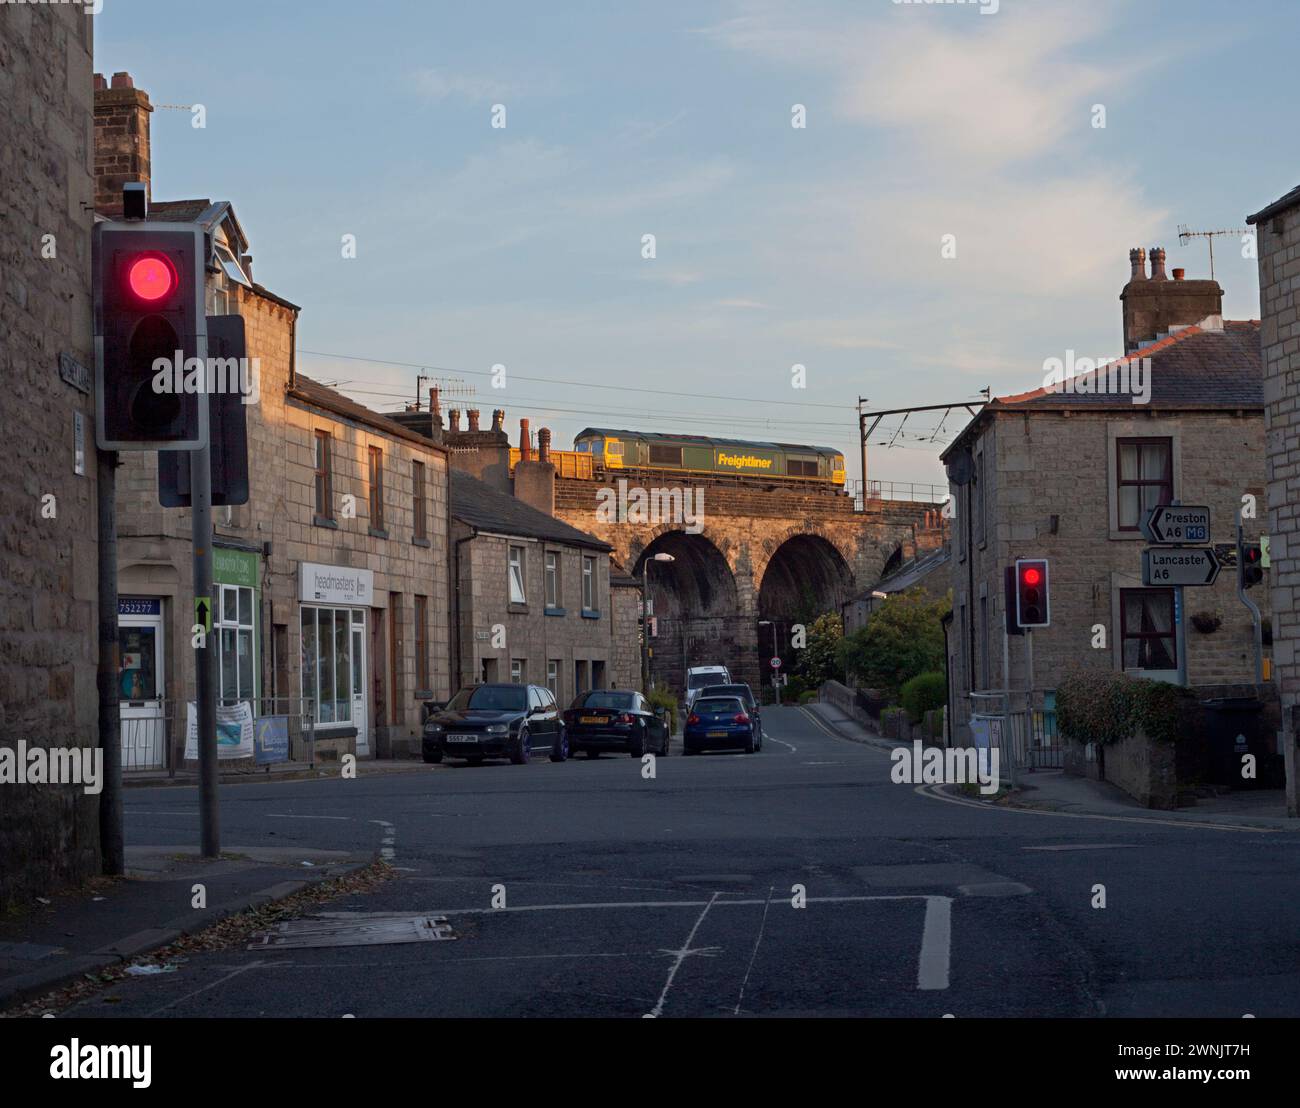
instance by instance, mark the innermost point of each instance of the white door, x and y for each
(359, 719)
(140, 682)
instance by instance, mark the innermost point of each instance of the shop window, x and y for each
(328, 672)
(237, 664)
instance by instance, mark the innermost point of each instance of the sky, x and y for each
(949, 217)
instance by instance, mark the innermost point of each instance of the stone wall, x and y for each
(1279, 288)
(1049, 495)
(48, 549)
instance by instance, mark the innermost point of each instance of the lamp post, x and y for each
(645, 617)
(776, 688)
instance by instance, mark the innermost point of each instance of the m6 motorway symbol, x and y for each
(1185, 566)
(1177, 523)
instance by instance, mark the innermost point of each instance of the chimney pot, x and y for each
(1179, 274)
(525, 442)
(453, 418)
(473, 414)
(435, 403)
(544, 444)
(101, 85)
(499, 419)
(1137, 260)
(1158, 264)
(123, 80)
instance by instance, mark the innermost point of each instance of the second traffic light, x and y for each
(1252, 564)
(150, 337)
(1033, 600)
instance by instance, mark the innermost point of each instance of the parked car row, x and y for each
(519, 722)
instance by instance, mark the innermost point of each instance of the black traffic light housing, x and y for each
(1033, 599)
(1252, 567)
(149, 305)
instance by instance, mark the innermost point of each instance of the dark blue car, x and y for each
(719, 723)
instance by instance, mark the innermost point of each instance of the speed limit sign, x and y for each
(776, 663)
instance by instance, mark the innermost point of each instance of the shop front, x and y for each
(334, 609)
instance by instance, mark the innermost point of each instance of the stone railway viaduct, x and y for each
(760, 550)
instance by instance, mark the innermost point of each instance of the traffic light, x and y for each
(1033, 604)
(150, 336)
(1252, 567)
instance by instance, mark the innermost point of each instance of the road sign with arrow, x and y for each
(1186, 566)
(1177, 523)
(203, 613)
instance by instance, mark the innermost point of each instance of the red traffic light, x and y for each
(1031, 576)
(151, 277)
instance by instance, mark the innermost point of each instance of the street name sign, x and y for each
(1186, 566)
(1177, 523)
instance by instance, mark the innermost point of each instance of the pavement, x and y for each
(797, 881)
(1054, 790)
(62, 938)
(277, 771)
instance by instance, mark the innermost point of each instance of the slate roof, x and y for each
(313, 392)
(484, 508)
(1193, 369)
(1290, 200)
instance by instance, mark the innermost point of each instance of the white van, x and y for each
(699, 677)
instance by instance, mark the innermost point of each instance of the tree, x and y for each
(819, 661)
(901, 638)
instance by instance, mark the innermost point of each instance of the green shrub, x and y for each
(1097, 706)
(901, 638)
(809, 697)
(923, 693)
(660, 697)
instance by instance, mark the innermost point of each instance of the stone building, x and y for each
(1066, 472)
(1277, 229)
(330, 586)
(536, 600)
(48, 554)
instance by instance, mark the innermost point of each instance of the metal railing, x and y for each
(896, 490)
(1020, 725)
(153, 732)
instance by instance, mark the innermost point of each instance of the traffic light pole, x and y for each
(1250, 604)
(110, 708)
(205, 656)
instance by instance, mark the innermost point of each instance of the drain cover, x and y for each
(355, 932)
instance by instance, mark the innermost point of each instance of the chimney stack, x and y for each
(544, 445)
(473, 414)
(525, 442)
(1137, 260)
(1154, 306)
(534, 478)
(121, 141)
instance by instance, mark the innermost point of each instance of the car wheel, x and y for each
(519, 755)
(749, 744)
(687, 749)
(433, 759)
(668, 746)
(560, 751)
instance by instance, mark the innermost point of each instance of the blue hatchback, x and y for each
(719, 723)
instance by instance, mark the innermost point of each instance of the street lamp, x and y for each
(776, 688)
(645, 617)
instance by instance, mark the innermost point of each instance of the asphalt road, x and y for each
(675, 897)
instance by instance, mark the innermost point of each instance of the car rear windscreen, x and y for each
(623, 701)
(700, 680)
(719, 704)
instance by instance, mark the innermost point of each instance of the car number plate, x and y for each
(591, 719)
(462, 738)
(715, 735)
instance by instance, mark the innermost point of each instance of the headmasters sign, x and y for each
(335, 585)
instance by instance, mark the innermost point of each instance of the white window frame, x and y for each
(517, 559)
(221, 626)
(553, 677)
(588, 583)
(517, 669)
(552, 575)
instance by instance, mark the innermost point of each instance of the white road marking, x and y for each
(615, 905)
(793, 749)
(754, 954)
(386, 850)
(931, 792)
(936, 944)
(290, 815)
(679, 956)
(211, 985)
(1085, 846)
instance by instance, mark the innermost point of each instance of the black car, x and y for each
(496, 721)
(746, 696)
(615, 720)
